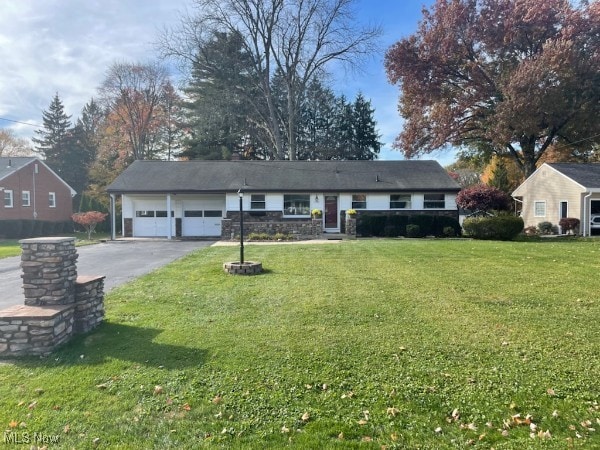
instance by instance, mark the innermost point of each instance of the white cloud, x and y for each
(66, 46)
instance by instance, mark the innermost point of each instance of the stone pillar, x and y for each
(351, 225)
(49, 270)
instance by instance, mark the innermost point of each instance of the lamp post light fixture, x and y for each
(241, 195)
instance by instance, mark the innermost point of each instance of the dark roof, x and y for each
(9, 165)
(588, 175)
(282, 176)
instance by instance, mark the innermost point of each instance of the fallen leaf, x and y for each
(66, 429)
(217, 399)
(102, 386)
(544, 434)
(367, 439)
(438, 430)
(394, 436)
(305, 417)
(39, 391)
(392, 411)
(325, 387)
(363, 422)
(158, 390)
(187, 407)
(56, 408)
(551, 392)
(32, 405)
(555, 413)
(13, 424)
(341, 436)
(96, 441)
(285, 429)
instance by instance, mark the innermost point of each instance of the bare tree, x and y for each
(295, 38)
(10, 145)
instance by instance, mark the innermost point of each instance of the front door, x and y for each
(331, 213)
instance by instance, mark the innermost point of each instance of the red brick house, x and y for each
(30, 190)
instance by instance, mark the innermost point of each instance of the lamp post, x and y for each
(241, 195)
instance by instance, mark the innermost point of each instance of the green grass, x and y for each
(374, 342)
(11, 247)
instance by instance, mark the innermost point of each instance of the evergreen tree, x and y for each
(366, 143)
(51, 143)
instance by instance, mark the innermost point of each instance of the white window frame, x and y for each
(356, 201)
(294, 211)
(256, 204)
(8, 198)
(25, 199)
(542, 205)
(425, 201)
(407, 203)
(52, 199)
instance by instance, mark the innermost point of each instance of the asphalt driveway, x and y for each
(120, 261)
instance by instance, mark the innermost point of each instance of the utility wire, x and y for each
(22, 123)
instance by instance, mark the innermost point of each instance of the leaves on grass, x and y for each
(13, 424)
(305, 416)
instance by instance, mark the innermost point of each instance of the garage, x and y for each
(202, 216)
(201, 222)
(151, 223)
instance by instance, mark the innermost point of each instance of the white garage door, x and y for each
(152, 223)
(201, 222)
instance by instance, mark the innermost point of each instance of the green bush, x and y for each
(503, 228)
(547, 228)
(379, 225)
(449, 232)
(413, 231)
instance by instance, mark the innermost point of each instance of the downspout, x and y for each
(586, 215)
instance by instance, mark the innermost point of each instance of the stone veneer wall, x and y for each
(58, 303)
(270, 222)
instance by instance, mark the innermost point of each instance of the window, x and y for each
(434, 201)
(359, 201)
(164, 214)
(539, 209)
(25, 198)
(400, 201)
(215, 213)
(8, 198)
(52, 199)
(257, 201)
(144, 214)
(193, 213)
(296, 205)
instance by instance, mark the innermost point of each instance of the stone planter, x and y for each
(245, 268)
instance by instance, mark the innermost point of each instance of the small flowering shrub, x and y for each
(89, 220)
(316, 213)
(351, 212)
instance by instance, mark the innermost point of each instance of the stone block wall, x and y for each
(49, 270)
(270, 222)
(58, 303)
(89, 307)
(34, 330)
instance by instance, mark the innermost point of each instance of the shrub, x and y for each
(425, 223)
(503, 228)
(440, 223)
(413, 230)
(483, 198)
(449, 232)
(569, 224)
(531, 231)
(547, 228)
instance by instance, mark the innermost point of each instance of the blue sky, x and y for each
(66, 46)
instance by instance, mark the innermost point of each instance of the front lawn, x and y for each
(369, 343)
(11, 247)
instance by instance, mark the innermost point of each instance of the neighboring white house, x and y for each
(198, 198)
(558, 190)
